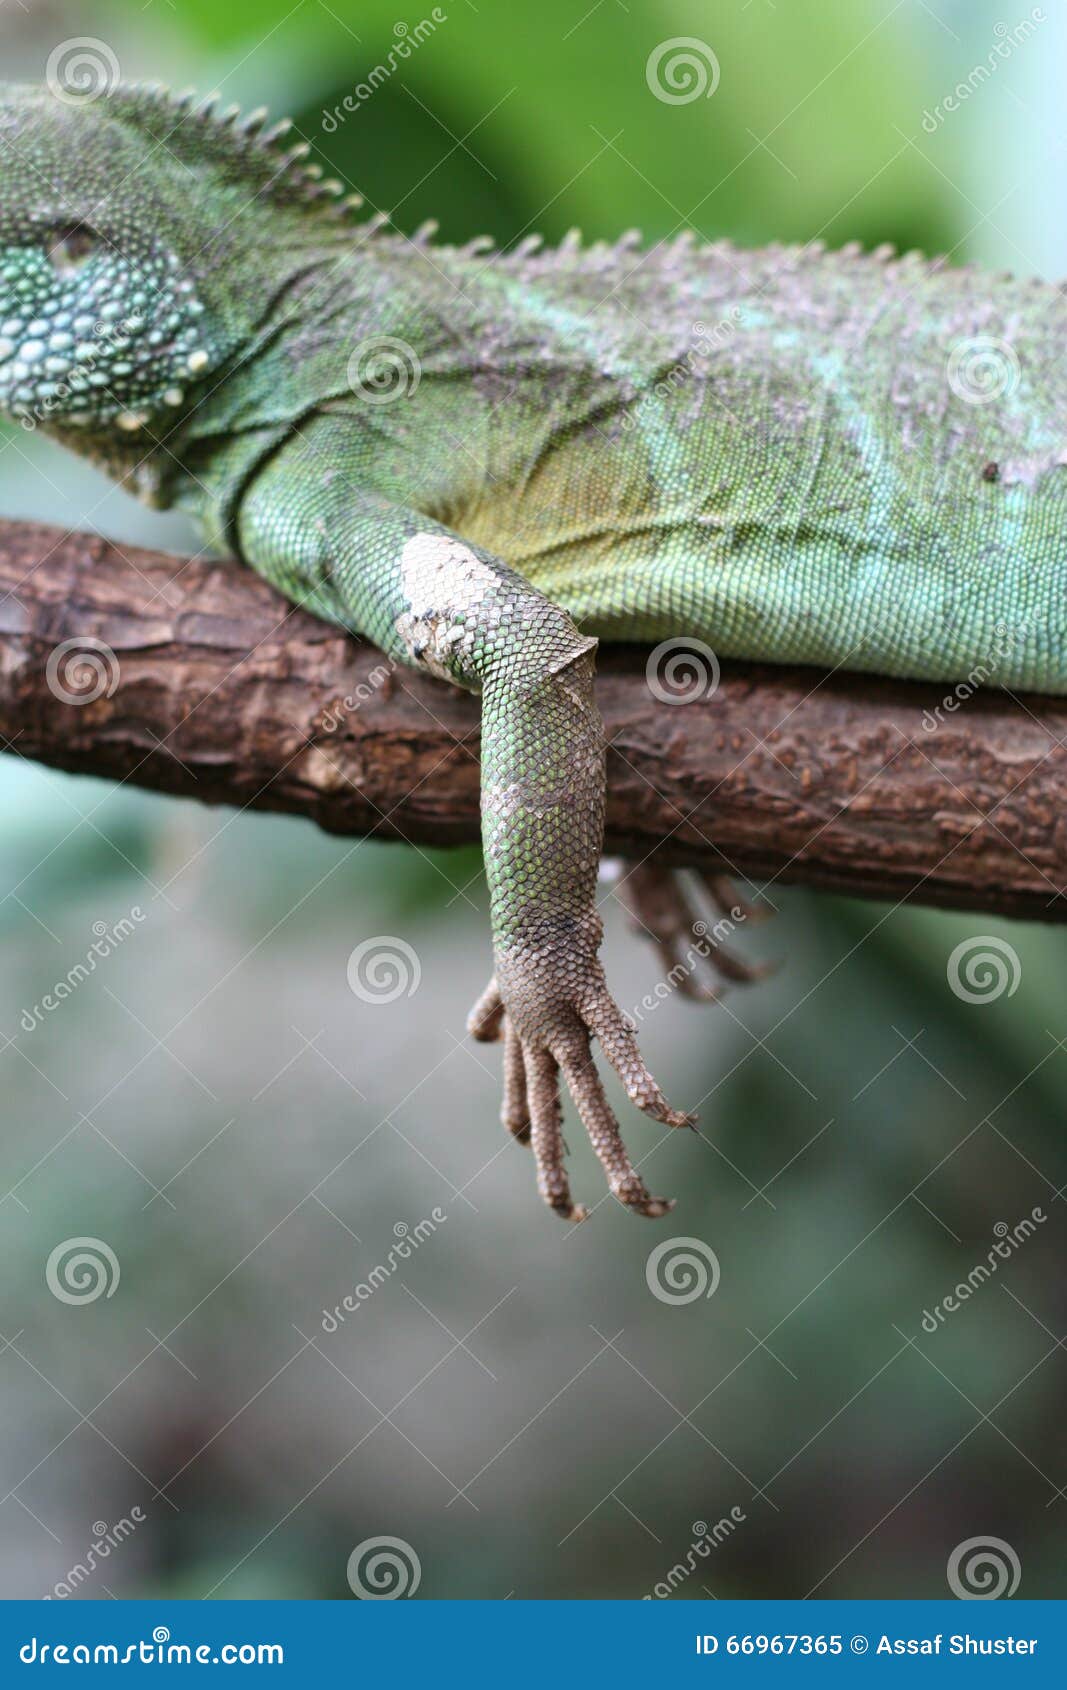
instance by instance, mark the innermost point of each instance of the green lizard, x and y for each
(486, 462)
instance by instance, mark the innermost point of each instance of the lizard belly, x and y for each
(814, 555)
(902, 611)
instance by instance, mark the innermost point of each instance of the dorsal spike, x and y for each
(529, 245)
(197, 131)
(375, 223)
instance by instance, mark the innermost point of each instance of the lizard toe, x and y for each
(546, 1133)
(515, 1110)
(618, 1041)
(485, 1021)
(624, 1181)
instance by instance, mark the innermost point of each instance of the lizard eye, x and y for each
(70, 246)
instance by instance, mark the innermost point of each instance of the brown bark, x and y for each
(212, 687)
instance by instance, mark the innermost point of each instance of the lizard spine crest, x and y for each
(197, 129)
(252, 148)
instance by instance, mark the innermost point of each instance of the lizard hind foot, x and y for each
(660, 905)
(558, 1046)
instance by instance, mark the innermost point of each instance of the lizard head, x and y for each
(133, 228)
(103, 319)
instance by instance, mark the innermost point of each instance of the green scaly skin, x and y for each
(486, 462)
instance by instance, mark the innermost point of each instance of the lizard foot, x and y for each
(659, 904)
(545, 1036)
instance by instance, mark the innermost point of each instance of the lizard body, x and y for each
(486, 462)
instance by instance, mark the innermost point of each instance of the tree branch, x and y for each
(205, 683)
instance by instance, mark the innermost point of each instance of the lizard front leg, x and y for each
(450, 608)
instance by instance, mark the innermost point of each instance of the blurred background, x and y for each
(520, 1409)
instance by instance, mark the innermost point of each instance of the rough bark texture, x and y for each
(206, 684)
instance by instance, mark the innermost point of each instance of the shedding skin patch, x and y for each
(444, 582)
